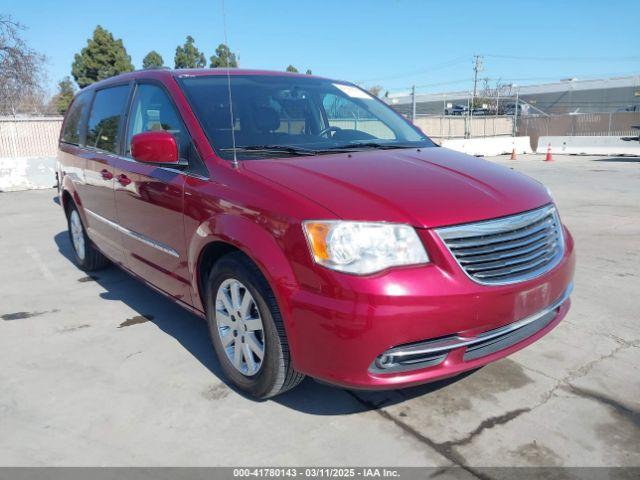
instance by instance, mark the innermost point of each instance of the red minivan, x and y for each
(315, 229)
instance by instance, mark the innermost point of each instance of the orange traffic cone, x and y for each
(548, 158)
(513, 154)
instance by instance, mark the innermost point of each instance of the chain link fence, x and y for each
(29, 136)
(613, 124)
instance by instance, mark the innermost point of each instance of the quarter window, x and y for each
(104, 120)
(75, 117)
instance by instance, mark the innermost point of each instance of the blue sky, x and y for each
(393, 43)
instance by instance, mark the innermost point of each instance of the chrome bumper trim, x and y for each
(453, 342)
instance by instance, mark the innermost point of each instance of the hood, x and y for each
(428, 188)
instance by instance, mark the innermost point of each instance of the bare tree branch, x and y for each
(21, 71)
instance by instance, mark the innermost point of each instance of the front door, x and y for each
(149, 199)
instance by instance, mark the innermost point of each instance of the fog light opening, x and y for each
(385, 361)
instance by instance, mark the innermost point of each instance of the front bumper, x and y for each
(343, 326)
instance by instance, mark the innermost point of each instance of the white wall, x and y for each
(489, 146)
(589, 145)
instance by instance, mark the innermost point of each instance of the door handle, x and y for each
(123, 180)
(106, 174)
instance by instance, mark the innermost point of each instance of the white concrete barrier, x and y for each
(26, 173)
(489, 146)
(588, 145)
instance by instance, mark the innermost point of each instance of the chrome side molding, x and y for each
(138, 236)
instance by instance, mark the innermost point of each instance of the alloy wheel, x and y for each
(77, 234)
(240, 327)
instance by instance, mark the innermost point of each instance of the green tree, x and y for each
(188, 56)
(223, 58)
(308, 72)
(103, 57)
(152, 60)
(64, 96)
(292, 69)
(375, 90)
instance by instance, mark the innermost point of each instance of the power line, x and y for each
(565, 59)
(450, 63)
(506, 80)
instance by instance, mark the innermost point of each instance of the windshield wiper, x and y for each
(381, 146)
(272, 149)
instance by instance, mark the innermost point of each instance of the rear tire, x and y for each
(87, 256)
(248, 320)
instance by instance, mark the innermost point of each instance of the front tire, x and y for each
(87, 256)
(247, 329)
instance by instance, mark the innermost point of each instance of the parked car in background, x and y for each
(480, 111)
(457, 110)
(511, 108)
(314, 229)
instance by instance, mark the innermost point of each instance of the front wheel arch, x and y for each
(228, 233)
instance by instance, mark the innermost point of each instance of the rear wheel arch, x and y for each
(66, 200)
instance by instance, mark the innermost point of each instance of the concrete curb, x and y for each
(592, 145)
(489, 146)
(26, 173)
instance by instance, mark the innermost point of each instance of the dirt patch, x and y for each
(136, 320)
(536, 454)
(22, 315)
(217, 392)
(88, 278)
(74, 328)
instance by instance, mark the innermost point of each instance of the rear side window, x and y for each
(104, 119)
(76, 115)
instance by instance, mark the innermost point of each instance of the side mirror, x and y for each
(154, 147)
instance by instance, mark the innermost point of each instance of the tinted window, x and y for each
(152, 110)
(75, 117)
(106, 112)
(343, 113)
(294, 111)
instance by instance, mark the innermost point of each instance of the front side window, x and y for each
(104, 119)
(72, 132)
(152, 110)
(294, 115)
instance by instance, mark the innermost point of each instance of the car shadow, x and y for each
(192, 333)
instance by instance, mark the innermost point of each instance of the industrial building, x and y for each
(562, 97)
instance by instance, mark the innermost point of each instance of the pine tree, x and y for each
(103, 57)
(152, 60)
(64, 96)
(223, 58)
(188, 56)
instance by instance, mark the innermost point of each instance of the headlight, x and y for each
(363, 247)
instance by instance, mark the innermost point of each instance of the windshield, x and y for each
(291, 115)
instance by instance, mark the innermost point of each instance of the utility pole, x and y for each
(413, 104)
(515, 115)
(477, 67)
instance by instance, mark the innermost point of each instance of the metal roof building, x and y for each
(566, 96)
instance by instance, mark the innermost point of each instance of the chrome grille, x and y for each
(509, 249)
